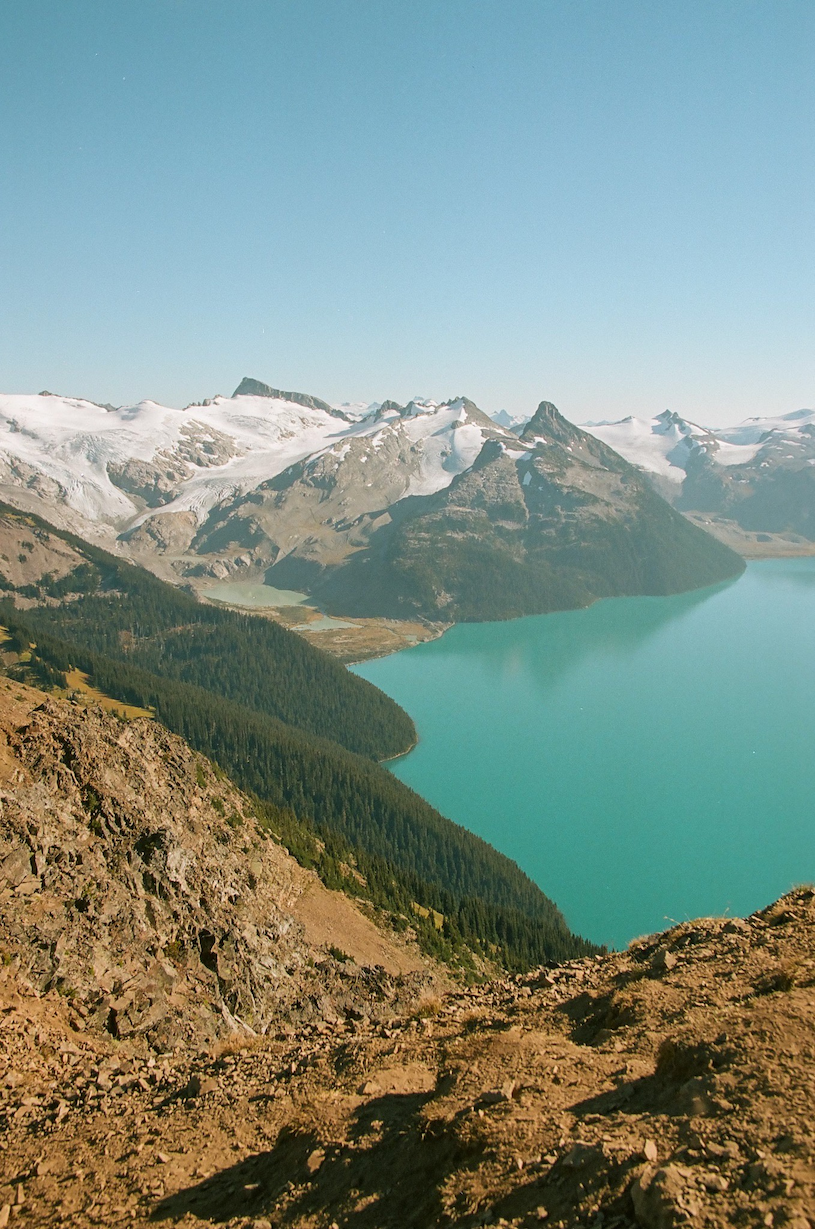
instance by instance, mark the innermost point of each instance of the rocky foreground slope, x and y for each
(137, 883)
(179, 1047)
(670, 1085)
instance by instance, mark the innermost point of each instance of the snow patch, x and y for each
(663, 445)
(78, 444)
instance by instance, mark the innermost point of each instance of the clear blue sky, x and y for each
(608, 204)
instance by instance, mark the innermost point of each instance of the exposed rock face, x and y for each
(159, 481)
(320, 511)
(256, 388)
(629, 1090)
(159, 535)
(154, 482)
(18, 474)
(29, 553)
(548, 522)
(137, 883)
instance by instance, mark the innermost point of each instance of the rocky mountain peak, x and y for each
(513, 422)
(547, 421)
(490, 451)
(389, 407)
(249, 387)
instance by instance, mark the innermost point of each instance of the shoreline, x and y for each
(361, 639)
(476, 743)
(354, 640)
(400, 755)
(752, 543)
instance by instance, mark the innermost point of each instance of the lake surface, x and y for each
(258, 596)
(645, 760)
(255, 595)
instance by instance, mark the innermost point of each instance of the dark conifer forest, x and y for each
(303, 736)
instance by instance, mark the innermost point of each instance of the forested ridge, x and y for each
(148, 644)
(125, 613)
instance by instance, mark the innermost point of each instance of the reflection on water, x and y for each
(548, 648)
(644, 760)
(790, 571)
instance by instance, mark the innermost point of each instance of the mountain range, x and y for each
(150, 475)
(426, 509)
(760, 473)
(249, 977)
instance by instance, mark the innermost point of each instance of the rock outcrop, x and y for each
(193, 1030)
(136, 882)
(666, 1086)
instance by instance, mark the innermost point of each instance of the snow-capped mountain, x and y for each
(151, 475)
(546, 521)
(514, 422)
(760, 473)
(660, 445)
(664, 445)
(424, 509)
(317, 511)
(109, 464)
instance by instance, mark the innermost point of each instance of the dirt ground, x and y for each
(669, 1085)
(752, 544)
(359, 639)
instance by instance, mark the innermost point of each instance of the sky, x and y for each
(606, 204)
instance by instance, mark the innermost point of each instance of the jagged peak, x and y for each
(509, 422)
(548, 421)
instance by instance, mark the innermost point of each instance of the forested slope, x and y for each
(145, 643)
(125, 613)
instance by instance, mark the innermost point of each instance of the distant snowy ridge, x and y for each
(109, 463)
(514, 422)
(429, 510)
(236, 486)
(760, 473)
(665, 444)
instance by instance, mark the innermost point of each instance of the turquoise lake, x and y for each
(645, 761)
